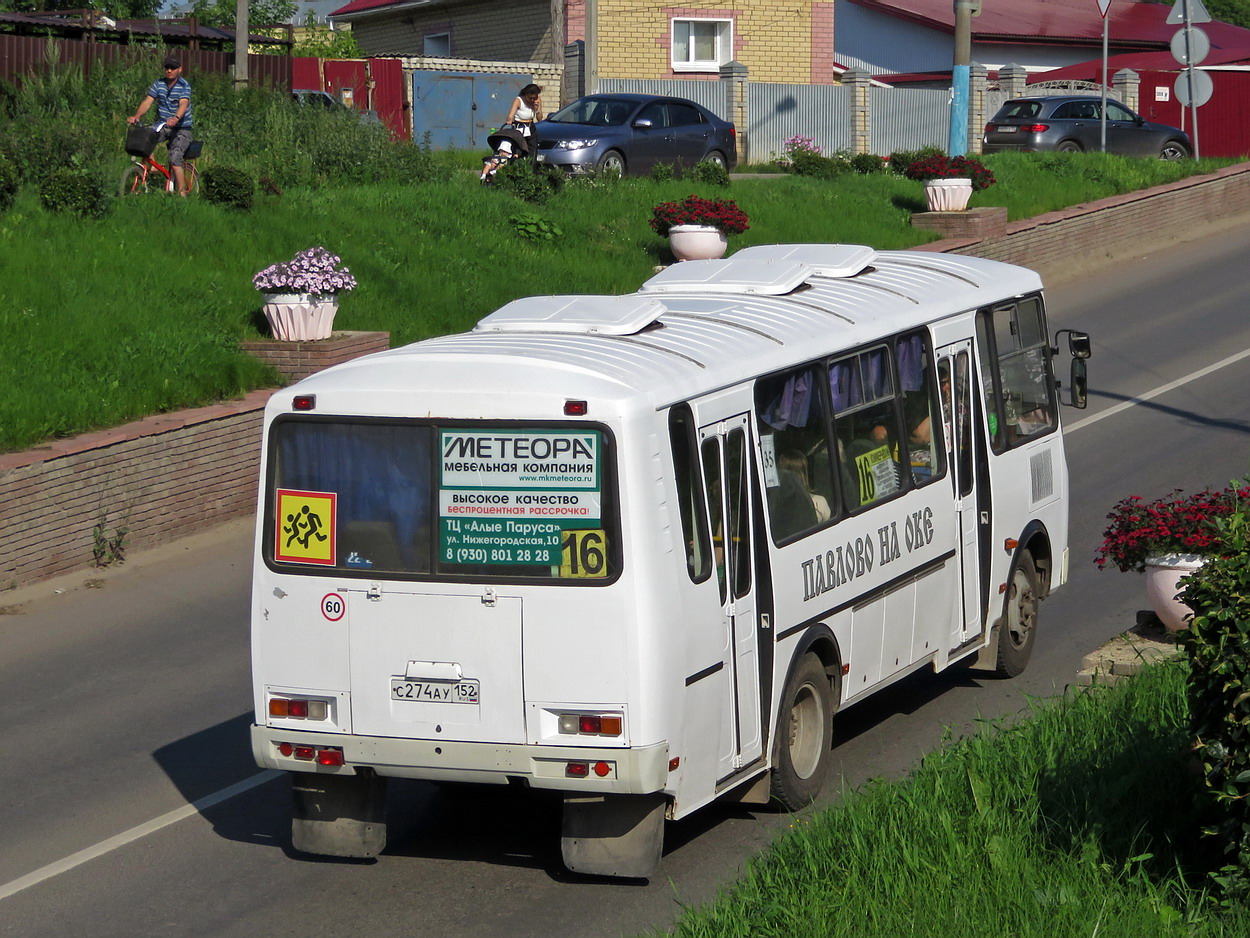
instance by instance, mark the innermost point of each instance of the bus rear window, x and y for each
(398, 498)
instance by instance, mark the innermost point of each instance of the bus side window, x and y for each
(922, 419)
(794, 449)
(690, 502)
(866, 424)
(1014, 353)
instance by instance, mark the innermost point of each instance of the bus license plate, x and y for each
(456, 692)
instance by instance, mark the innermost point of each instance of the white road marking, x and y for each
(135, 833)
(1161, 389)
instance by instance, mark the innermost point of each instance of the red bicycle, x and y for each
(146, 174)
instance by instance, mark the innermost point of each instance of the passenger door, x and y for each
(956, 380)
(725, 455)
(650, 145)
(692, 136)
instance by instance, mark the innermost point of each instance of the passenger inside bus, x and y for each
(796, 462)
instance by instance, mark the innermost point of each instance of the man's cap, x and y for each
(172, 61)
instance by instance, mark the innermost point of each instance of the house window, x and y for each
(701, 45)
(437, 45)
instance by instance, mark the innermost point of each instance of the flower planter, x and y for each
(1163, 576)
(948, 195)
(697, 242)
(301, 317)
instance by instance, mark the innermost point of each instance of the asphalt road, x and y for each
(125, 706)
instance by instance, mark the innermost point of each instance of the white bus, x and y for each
(640, 549)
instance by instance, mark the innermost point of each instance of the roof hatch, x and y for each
(827, 260)
(764, 277)
(602, 315)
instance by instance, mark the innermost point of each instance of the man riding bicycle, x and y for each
(172, 95)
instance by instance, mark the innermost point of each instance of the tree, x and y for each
(260, 12)
(1236, 12)
(118, 9)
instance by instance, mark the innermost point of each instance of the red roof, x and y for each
(1053, 21)
(360, 6)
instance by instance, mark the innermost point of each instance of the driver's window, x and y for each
(653, 113)
(1117, 113)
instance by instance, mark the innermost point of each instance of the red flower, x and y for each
(692, 210)
(951, 167)
(1174, 523)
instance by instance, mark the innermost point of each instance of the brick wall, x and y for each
(174, 474)
(635, 38)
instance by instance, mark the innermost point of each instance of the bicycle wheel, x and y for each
(134, 181)
(193, 177)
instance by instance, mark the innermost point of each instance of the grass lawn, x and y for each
(142, 311)
(1079, 820)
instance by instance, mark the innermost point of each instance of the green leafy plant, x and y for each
(529, 182)
(808, 163)
(76, 191)
(899, 160)
(867, 163)
(663, 172)
(708, 173)
(8, 184)
(228, 186)
(1217, 644)
(108, 548)
(533, 227)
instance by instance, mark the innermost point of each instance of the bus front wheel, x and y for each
(1019, 628)
(804, 739)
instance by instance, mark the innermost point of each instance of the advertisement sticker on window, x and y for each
(509, 496)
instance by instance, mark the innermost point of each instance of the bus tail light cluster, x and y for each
(586, 769)
(326, 755)
(297, 708)
(590, 724)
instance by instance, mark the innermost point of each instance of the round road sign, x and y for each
(1193, 51)
(1193, 87)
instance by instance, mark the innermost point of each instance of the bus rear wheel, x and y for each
(804, 738)
(1020, 612)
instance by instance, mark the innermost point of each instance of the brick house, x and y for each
(634, 39)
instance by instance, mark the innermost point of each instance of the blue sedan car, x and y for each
(631, 133)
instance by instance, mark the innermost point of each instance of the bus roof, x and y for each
(694, 327)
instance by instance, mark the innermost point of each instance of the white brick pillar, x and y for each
(861, 109)
(734, 78)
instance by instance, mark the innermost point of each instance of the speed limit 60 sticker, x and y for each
(333, 606)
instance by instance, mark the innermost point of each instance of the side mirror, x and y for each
(1078, 345)
(1079, 384)
(643, 123)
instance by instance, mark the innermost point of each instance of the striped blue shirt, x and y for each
(167, 99)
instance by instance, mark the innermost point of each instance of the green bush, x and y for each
(533, 227)
(867, 163)
(808, 163)
(1217, 644)
(708, 173)
(8, 184)
(663, 172)
(76, 191)
(228, 186)
(528, 181)
(899, 160)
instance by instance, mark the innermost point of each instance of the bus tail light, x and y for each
(591, 724)
(298, 708)
(331, 755)
(577, 769)
(583, 769)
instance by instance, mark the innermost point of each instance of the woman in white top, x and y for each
(526, 109)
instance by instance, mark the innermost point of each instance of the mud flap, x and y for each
(613, 835)
(338, 815)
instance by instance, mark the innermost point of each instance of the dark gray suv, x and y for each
(1071, 123)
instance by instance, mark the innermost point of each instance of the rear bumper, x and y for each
(637, 770)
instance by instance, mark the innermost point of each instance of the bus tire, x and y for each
(804, 741)
(1020, 612)
(338, 815)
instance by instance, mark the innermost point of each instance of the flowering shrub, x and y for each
(692, 210)
(313, 271)
(799, 144)
(1172, 524)
(941, 166)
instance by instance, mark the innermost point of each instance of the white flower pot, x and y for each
(1163, 576)
(301, 317)
(948, 195)
(697, 242)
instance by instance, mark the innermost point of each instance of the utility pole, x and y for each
(240, 44)
(957, 140)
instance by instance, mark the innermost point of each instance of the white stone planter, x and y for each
(697, 242)
(1163, 576)
(948, 195)
(301, 317)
